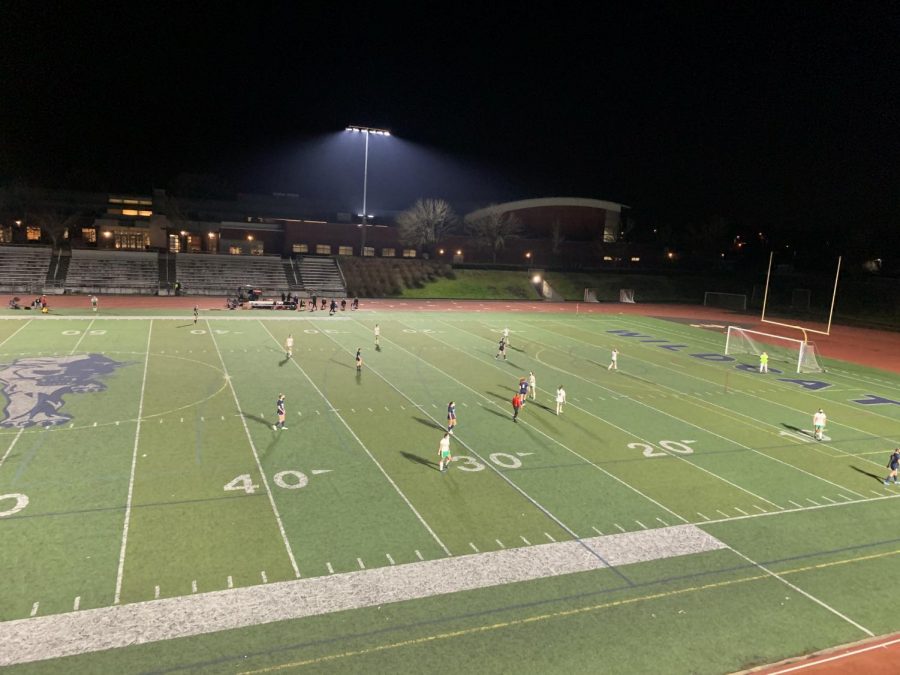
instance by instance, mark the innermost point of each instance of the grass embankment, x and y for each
(477, 285)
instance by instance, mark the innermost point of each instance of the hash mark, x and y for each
(813, 501)
(194, 586)
(641, 524)
(499, 543)
(330, 568)
(547, 534)
(390, 559)
(665, 524)
(156, 592)
(791, 501)
(264, 577)
(527, 543)
(230, 582)
(621, 529)
(419, 555)
(844, 497)
(828, 500)
(723, 513)
(761, 509)
(77, 603)
(474, 548)
(741, 510)
(702, 516)
(596, 530)
(361, 564)
(34, 608)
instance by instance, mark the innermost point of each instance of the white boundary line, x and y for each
(363, 446)
(137, 435)
(262, 473)
(91, 630)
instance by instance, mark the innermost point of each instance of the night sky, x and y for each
(783, 116)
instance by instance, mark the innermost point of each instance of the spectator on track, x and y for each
(343, 304)
(94, 303)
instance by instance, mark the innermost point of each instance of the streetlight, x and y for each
(366, 131)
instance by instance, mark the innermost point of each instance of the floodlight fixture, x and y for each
(366, 131)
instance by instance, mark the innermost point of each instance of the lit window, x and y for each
(323, 249)
(6, 234)
(115, 200)
(607, 258)
(130, 201)
(145, 202)
(174, 243)
(234, 250)
(635, 259)
(409, 253)
(345, 250)
(33, 233)
(388, 253)
(368, 251)
(145, 213)
(300, 248)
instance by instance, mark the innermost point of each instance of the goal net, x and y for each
(799, 355)
(735, 301)
(590, 295)
(626, 295)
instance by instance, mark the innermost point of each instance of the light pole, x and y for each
(365, 216)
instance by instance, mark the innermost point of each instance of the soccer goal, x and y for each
(799, 355)
(626, 295)
(590, 295)
(735, 301)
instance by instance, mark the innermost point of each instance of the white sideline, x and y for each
(55, 636)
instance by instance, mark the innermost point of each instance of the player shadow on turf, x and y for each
(866, 473)
(185, 325)
(798, 430)
(429, 423)
(284, 361)
(259, 420)
(377, 348)
(342, 363)
(419, 460)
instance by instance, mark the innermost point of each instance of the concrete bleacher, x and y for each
(322, 276)
(23, 269)
(209, 274)
(93, 271)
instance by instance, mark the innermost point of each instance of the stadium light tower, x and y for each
(366, 131)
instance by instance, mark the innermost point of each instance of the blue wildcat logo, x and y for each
(34, 387)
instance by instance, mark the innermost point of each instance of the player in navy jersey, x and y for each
(523, 390)
(451, 417)
(279, 410)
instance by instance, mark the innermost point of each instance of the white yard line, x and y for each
(262, 473)
(134, 454)
(11, 446)
(91, 630)
(817, 401)
(687, 422)
(547, 436)
(366, 450)
(83, 335)
(803, 593)
(23, 326)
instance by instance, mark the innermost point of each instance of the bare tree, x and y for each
(54, 223)
(426, 223)
(492, 230)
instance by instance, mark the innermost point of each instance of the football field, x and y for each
(678, 516)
